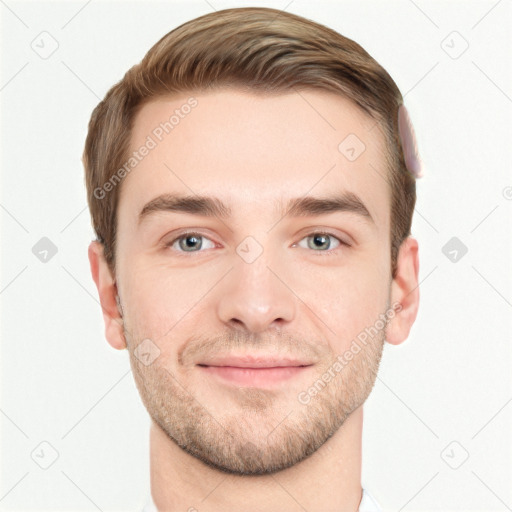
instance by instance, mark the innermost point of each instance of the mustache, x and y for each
(278, 345)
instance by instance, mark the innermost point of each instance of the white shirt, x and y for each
(368, 504)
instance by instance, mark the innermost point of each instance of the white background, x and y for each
(448, 385)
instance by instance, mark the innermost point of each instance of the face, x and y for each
(237, 307)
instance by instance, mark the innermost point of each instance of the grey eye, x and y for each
(320, 241)
(190, 242)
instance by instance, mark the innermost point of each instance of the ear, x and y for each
(405, 292)
(107, 291)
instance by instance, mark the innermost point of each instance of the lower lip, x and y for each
(255, 377)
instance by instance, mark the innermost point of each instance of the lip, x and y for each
(254, 371)
(262, 377)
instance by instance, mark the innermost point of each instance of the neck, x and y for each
(328, 480)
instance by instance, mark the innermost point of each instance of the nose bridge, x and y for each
(254, 294)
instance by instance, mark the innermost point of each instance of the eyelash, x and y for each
(313, 233)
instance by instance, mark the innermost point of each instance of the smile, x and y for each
(254, 377)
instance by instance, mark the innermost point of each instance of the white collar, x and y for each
(368, 504)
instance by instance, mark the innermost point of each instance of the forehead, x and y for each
(255, 150)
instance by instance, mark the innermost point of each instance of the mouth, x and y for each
(254, 371)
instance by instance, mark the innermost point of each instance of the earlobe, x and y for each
(107, 291)
(405, 293)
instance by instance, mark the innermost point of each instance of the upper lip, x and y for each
(253, 361)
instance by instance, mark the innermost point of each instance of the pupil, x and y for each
(191, 241)
(321, 237)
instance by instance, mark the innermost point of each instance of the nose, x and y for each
(255, 297)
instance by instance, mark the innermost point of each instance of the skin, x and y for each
(216, 446)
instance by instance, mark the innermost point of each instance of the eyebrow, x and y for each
(297, 207)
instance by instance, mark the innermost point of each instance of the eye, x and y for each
(189, 242)
(320, 241)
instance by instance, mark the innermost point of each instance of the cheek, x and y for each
(343, 302)
(161, 299)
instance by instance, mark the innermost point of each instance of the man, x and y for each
(251, 184)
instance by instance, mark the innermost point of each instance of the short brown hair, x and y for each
(256, 49)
